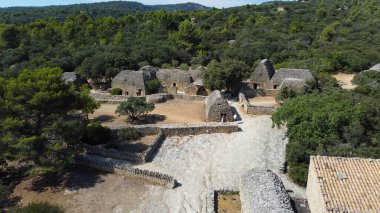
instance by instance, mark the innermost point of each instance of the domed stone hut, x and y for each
(261, 78)
(217, 108)
(132, 82)
(196, 88)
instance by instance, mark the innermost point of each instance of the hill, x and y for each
(19, 15)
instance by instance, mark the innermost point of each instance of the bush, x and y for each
(153, 85)
(96, 134)
(184, 67)
(134, 107)
(129, 134)
(116, 91)
(39, 207)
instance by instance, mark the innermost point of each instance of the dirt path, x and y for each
(345, 80)
(175, 111)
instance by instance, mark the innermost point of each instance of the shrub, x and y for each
(153, 85)
(134, 107)
(39, 207)
(184, 67)
(96, 134)
(116, 91)
(129, 134)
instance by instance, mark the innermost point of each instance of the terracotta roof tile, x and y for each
(349, 184)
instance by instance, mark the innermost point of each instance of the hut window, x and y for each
(174, 84)
(275, 86)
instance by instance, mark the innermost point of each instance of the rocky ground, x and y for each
(215, 161)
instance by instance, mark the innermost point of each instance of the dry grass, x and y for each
(229, 203)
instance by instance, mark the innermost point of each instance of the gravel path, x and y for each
(215, 161)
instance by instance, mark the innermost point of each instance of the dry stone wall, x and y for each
(124, 168)
(255, 110)
(141, 157)
(250, 92)
(184, 130)
(108, 98)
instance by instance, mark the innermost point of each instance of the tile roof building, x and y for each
(343, 185)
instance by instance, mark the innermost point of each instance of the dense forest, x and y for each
(325, 36)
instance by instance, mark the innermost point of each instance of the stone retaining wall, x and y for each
(141, 157)
(108, 98)
(184, 130)
(255, 110)
(123, 168)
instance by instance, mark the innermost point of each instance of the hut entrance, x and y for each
(138, 93)
(223, 117)
(174, 84)
(275, 86)
(201, 91)
(255, 86)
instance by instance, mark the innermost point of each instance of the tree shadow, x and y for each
(75, 178)
(104, 118)
(148, 119)
(127, 146)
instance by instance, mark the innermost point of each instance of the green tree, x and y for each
(11, 36)
(134, 107)
(226, 74)
(189, 35)
(36, 122)
(153, 85)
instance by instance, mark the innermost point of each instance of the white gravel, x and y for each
(215, 161)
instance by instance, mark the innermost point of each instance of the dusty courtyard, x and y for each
(345, 80)
(263, 101)
(199, 163)
(174, 111)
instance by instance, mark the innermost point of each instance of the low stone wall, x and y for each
(108, 98)
(255, 110)
(184, 130)
(141, 157)
(123, 168)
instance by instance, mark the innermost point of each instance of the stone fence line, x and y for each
(108, 98)
(141, 157)
(183, 129)
(123, 168)
(255, 110)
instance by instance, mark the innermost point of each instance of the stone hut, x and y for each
(196, 88)
(291, 75)
(261, 190)
(293, 84)
(261, 77)
(72, 77)
(174, 78)
(375, 68)
(217, 107)
(133, 82)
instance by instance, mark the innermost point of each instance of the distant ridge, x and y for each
(20, 15)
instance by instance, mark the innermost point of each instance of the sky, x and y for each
(210, 3)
